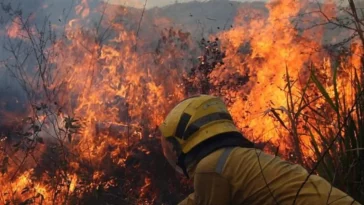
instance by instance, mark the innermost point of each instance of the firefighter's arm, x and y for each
(210, 189)
(190, 200)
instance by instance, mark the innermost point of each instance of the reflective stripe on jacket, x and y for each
(235, 176)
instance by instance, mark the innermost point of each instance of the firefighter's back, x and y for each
(259, 178)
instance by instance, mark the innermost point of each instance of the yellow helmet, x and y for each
(192, 122)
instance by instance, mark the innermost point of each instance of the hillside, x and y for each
(204, 18)
(199, 18)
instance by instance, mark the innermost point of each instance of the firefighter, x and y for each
(200, 140)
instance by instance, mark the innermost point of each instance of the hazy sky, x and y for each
(158, 3)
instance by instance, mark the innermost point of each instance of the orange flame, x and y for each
(121, 93)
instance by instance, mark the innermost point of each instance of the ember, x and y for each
(95, 95)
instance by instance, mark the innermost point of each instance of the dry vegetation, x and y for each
(94, 96)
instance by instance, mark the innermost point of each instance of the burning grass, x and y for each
(95, 96)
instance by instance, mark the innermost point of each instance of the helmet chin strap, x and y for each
(181, 164)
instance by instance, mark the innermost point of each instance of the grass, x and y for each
(332, 118)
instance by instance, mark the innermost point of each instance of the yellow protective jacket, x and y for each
(232, 176)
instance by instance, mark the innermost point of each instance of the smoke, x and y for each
(13, 99)
(36, 14)
(200, 19)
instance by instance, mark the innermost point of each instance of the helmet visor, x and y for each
(170, 154)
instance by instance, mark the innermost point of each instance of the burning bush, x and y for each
(95, 96)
